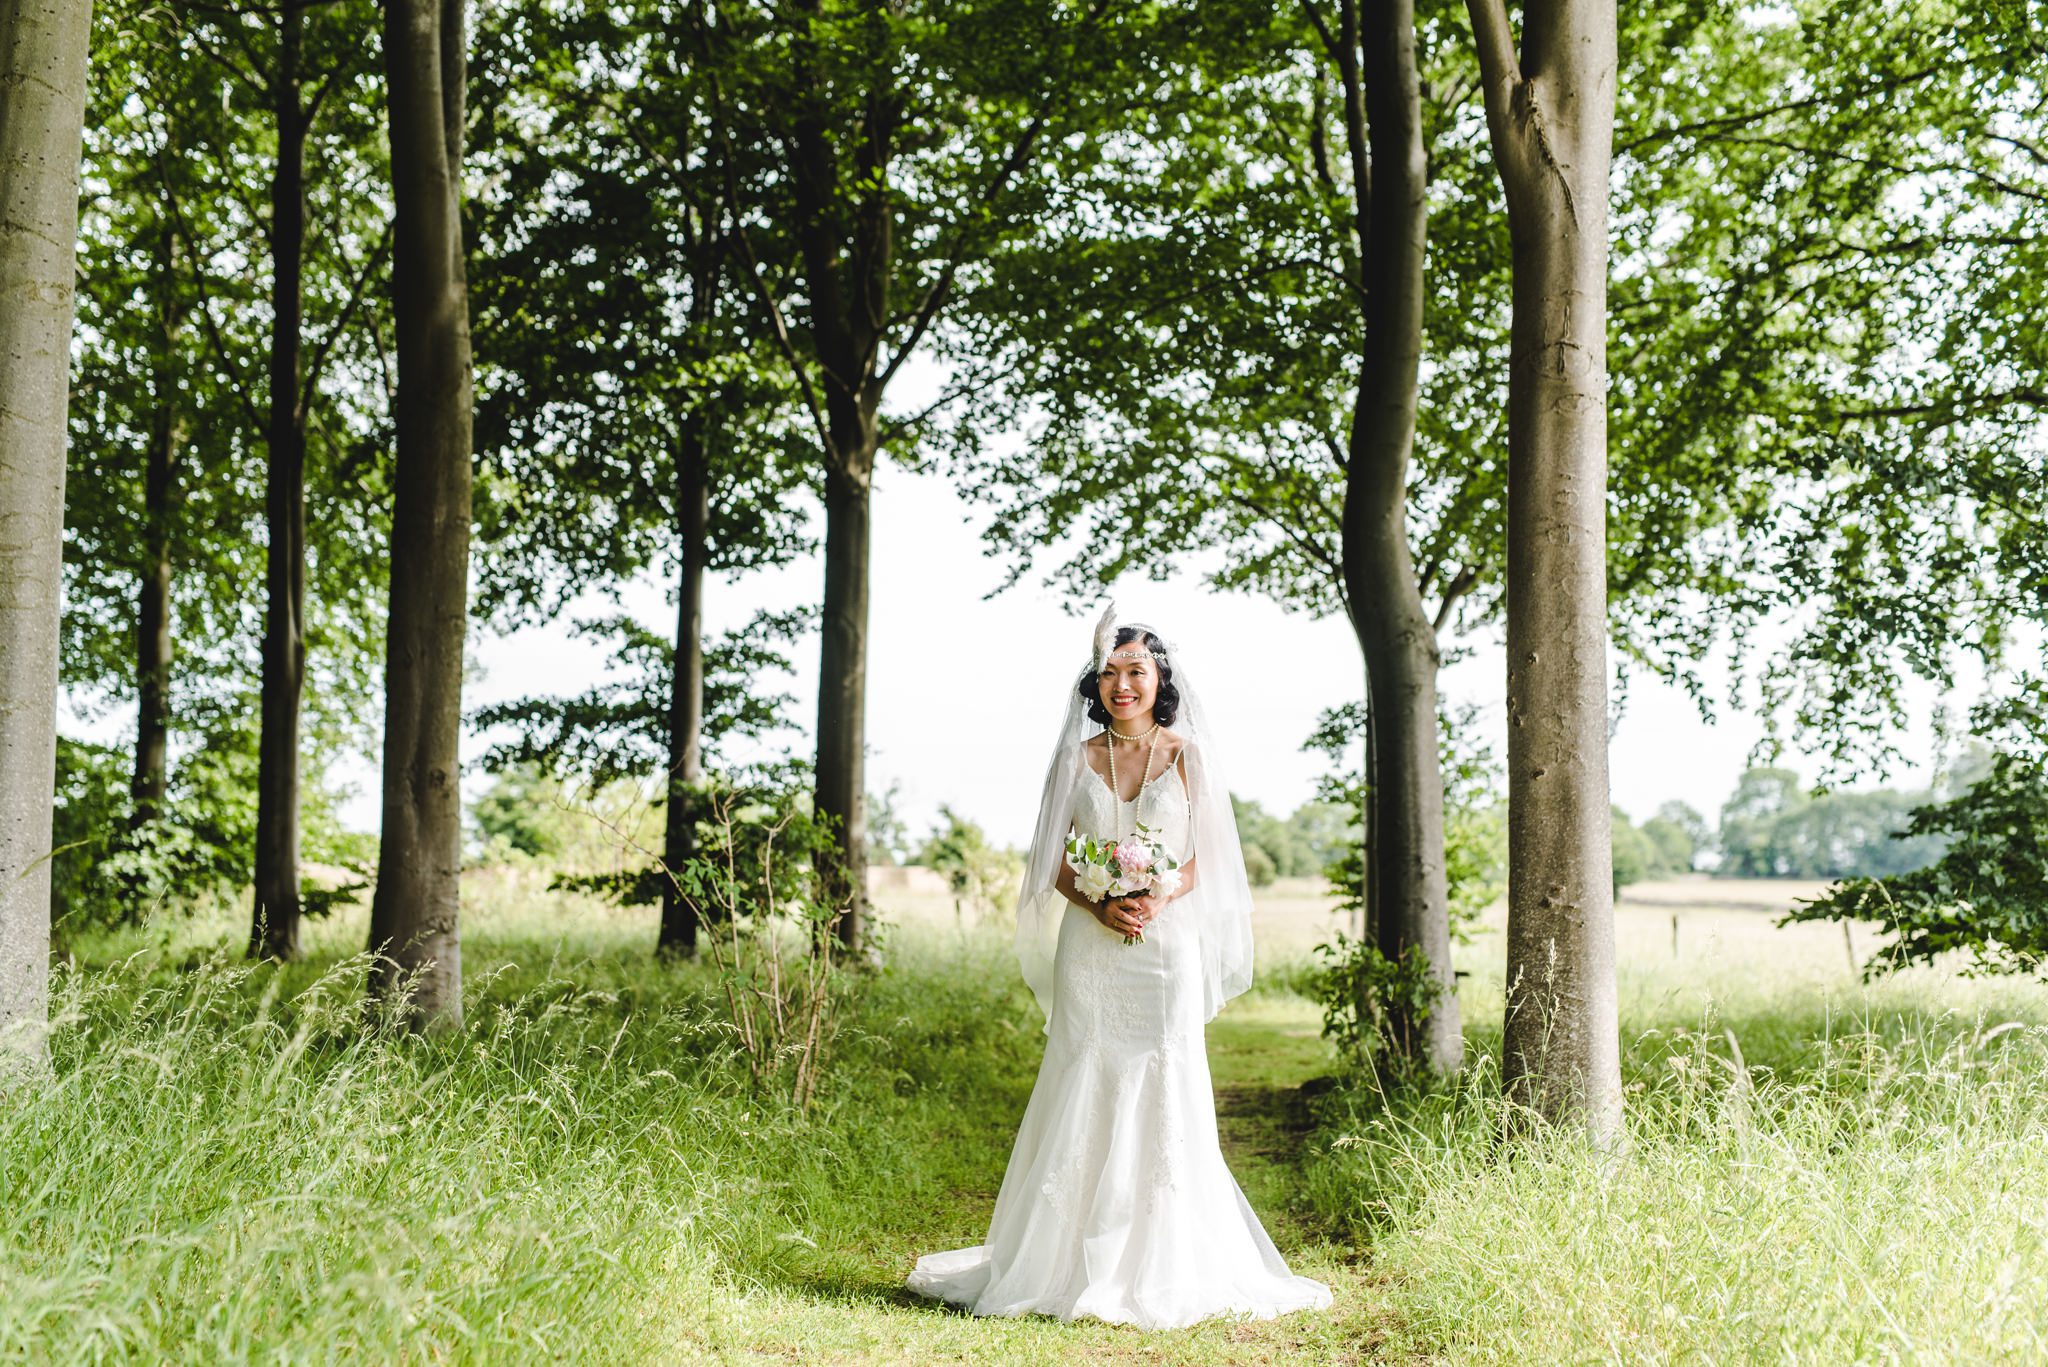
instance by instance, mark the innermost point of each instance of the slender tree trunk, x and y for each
(43, 47)
(413, 919)
(153, 609)
(686, 688)
(274, 927)
(1410, 893)
(1551, 115)
(843, 675)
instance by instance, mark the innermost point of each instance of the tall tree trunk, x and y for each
(43, 47)
(686, 686)
(1409, 892)
(274, 927)
(413, 919)
(1400, 642)
(153, 610)
(1551, 116)
(843, 676)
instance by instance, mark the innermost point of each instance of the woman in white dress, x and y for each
(1117, 1202)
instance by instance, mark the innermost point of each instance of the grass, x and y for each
(226, 1169)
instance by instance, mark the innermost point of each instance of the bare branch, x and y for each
(1461, 583)
(1494, 41)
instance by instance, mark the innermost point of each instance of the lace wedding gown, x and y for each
(1117, 1202)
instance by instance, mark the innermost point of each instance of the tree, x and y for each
(42, 111)
(1751, 821)
(975, 870)
(1248, 359)
(1550, 116)
(1882, 464)
(905, 141)
(1635, 856)
(153, 486)
(297, 84)
(182, 151)
(1672, 841)
(413, 917)
(626, 416)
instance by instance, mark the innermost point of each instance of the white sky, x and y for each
(964, 696)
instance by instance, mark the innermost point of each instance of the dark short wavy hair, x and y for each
(1165, 705)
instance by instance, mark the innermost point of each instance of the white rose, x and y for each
(1166, 882)
(1092, 881)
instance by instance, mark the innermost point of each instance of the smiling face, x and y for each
(1129, 685)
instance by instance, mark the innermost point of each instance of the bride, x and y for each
(1117, 1202)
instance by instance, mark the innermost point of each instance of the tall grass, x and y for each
(1800, 1182)
(226, 1165)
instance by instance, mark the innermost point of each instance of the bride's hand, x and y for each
(1146, 905)
(1119, 915)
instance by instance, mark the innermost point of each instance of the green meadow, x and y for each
(226, 1167)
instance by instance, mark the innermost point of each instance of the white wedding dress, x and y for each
(1117, 1202)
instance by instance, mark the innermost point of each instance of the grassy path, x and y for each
(846, 1304)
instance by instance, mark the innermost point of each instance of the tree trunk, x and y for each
(153, 609)
(686, 687)
(274, 927)
(1409, 896)
(843, 679)
(43, 47)
(1551, 116)
(413, 919)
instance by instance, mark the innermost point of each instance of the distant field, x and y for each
(1719, 922)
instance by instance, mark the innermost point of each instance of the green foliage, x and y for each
(522, 812)
(1372, 1004)
(619, 728)
(1985, 897)
(1475, 817)
(1259, 868)
(1677, 832)
(977, 871)
(1662, 847)
(888, 833)
(196, 855)
(613, 334)
(1299, 846)
(1635, 855)
(1771, 827)
(1374, 1007)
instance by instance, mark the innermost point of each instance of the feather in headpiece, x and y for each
(1105, 635)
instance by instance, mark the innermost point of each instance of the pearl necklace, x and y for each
(1116, 735)
(1144, 782)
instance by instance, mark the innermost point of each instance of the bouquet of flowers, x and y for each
(1136, 864)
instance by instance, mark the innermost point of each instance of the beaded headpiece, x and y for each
(1105, 641)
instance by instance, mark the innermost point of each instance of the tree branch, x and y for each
(1461, 583)
(1494, 41)
(205, 309)
(941, 289)
(318, 360)
(1724, 122)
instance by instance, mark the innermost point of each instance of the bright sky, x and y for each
(964, 696)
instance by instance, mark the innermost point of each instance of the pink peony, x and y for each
(1133, 857)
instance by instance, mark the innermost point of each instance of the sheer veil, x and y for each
(1217, 909)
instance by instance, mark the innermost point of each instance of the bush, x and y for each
(1372, 1005)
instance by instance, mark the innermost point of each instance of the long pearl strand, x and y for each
(1143, 783)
